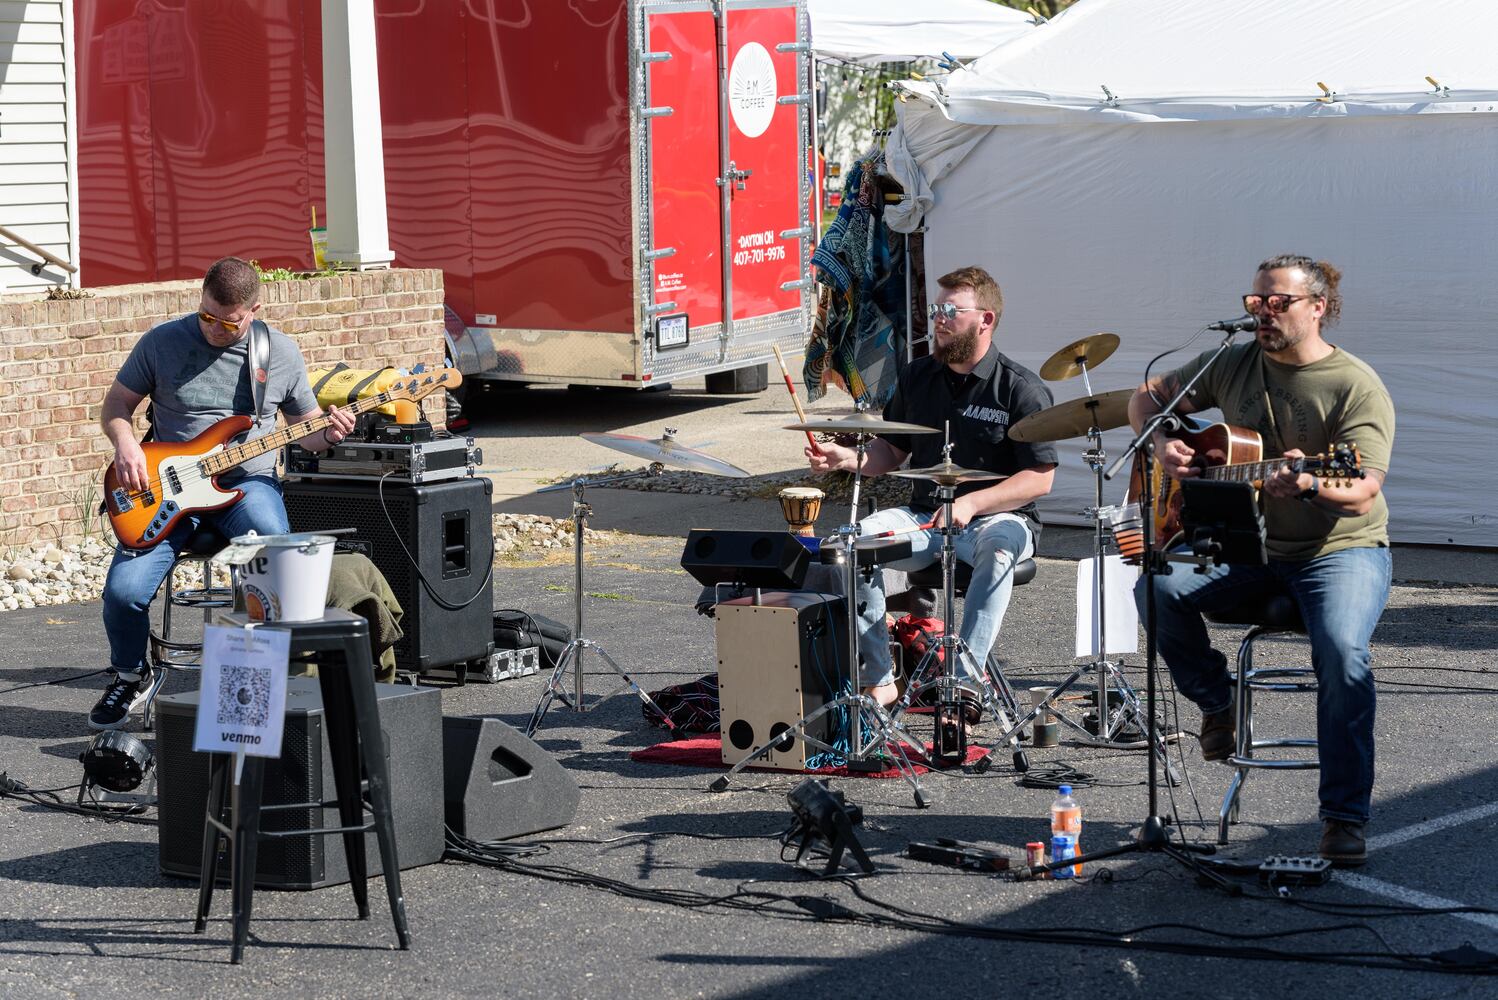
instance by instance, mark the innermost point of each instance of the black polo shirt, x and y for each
(981, 406)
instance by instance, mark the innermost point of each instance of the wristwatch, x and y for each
(1311, 492)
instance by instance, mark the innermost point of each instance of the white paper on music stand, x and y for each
(1122, 632)
(242, 691)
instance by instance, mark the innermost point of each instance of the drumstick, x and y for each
(795, 401)
(905, 531)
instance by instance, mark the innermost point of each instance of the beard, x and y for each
(958, 349)
(1277, 340)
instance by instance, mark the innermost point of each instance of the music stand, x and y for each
(1222, 522)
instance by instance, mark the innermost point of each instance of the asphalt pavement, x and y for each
(661, 887)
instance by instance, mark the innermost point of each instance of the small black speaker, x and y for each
(499, 784)
(770, 559)
(410, 722)
(447, 529)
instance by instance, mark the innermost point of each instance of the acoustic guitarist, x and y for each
(1328, 544)
(196, 371)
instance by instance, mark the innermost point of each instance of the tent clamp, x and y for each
(1439, 90)
(1328, 95)
(1108, 97)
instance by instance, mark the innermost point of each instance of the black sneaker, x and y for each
(120, 699)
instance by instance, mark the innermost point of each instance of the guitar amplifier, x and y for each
(431, 461)
(433, 542)
(779, 660)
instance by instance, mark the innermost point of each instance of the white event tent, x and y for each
(878, 31)
(1126, 168)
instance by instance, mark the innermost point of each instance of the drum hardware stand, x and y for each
(1110, 723)
(949, 746)
(888, 734)
(572, 655)
(1154, 832)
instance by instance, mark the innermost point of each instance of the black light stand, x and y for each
(1154, 834)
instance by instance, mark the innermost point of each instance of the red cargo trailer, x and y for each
(617, 193)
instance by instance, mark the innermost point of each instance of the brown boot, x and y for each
(1217, 737)
(1343, 843)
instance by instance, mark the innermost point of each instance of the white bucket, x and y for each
(287, 580)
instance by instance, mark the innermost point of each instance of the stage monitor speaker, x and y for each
(779, 660)
(448, 530)
(499, 784)
(410, 722)
(770, 559)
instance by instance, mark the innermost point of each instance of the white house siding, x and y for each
(38, 170)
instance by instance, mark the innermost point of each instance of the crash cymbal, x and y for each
(947, 474)
(1067, 362)
(860, 423)
(667, 451)
(1073, 417)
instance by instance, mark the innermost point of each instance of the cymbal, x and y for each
(667, 451)
(947, 474)
(863, 422)
(1067, 362)
(1073, 417)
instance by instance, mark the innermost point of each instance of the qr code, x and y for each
(243, 696)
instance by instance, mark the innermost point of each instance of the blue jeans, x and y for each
(1340, 596)
(991, 544)
(136, 574)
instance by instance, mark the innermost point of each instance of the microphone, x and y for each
(1243, 324)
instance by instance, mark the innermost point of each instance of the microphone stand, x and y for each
(1154, 835)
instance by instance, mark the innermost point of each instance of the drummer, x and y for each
(967, 382)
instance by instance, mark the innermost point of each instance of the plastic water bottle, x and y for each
(1066, 820)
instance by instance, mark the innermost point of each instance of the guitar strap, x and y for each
(259, 362)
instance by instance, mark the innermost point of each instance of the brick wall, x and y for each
(58, 358)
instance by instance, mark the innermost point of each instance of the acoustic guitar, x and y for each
(182, 476)
(1236, 455)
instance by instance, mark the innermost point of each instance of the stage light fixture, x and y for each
(117, 764)
(824, 815)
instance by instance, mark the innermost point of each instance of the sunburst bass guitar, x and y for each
(1236, 455)
(182, 476)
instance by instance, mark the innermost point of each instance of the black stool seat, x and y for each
(357, 749)
(1276, 611)
(930, 576)
(205, 540)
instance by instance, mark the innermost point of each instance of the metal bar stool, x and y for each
(166, 653)
(1275, 614)
(357, 748)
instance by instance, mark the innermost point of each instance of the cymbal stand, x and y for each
(572, 655)
(1110, 723)
(945, 656)
(888, 734)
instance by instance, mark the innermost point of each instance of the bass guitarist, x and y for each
(196, 371)
(1328, 544)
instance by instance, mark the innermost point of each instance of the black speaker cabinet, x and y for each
(411, 723)
(500, 784)
(778, 660)
(772, 559)
(448, 531)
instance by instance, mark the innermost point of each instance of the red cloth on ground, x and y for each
(707, 751)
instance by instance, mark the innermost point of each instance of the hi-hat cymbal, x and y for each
(860, 423)
(1074, 417)
(1067, 362)
(947, 474)
(667, 451)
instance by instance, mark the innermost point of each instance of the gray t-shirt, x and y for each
(193, 385)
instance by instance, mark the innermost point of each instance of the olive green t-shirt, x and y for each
(1337, 400)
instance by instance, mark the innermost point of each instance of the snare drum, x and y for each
(801, 505)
